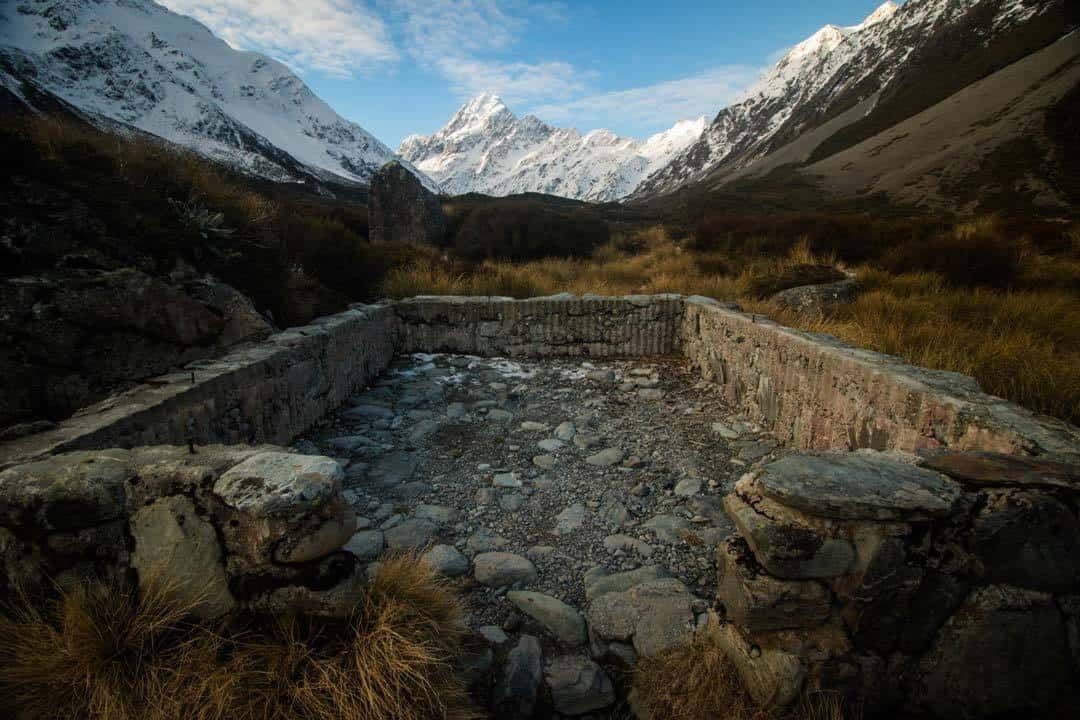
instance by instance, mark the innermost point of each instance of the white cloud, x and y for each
(514, 82)
(661, 104)
(338, 37)
(463, 40)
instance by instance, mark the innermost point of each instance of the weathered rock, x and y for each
(324, 539)
(877, 593)
(66, 492)
(517, 686)
(279, 485)
(938, 597)
(815, 300)
(654, 615)
(340, 587)
(618, 582)
(668, 528)
(570, 519)
(773, 677)
(858, 486)
(483, 540)
(1005, 651)
(176, 547)
(561, 620)
(787, 547)
(578, 685)
(1028, 539)
(411, 534)
(627, 543)
(500, 569)
(402, 210)
(440, 514)
(243, 323)
(986, 469)
(757, 602)
(605, 458)
(445, 560)
(366, 545)
(21, 565)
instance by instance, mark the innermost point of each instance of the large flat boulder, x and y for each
(996, 469)
(858, 486)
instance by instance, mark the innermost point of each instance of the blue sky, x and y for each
(402, 66)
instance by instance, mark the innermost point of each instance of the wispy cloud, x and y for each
(338, 37)
(465, 41)
(659, 104)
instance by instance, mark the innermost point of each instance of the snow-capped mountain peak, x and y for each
(486, 148)
(134, 63)
(831, 71)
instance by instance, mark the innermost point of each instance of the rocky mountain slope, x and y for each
(845, 84)
(486, 148)
(135, 64)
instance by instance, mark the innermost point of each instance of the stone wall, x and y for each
(559, 325)
(268, 392)
(226, 527)
(950, 588)
(816, 392)
(811, 391)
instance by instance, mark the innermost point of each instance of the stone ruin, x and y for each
(916, 544)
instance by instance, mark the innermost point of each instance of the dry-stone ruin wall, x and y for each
(904, 578)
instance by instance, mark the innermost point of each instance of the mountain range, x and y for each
(485, 148)
(928, 102)
(133, 64)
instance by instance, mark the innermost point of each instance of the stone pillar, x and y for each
(898, 584)
(401, 209)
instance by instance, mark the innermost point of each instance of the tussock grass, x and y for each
(109, 652)
(1023, 345)
(99, 651)
(698, 682)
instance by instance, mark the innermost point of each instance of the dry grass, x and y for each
(698, 682)
(106, 652)
(641, 261)
(97, 652)
(1022, 344)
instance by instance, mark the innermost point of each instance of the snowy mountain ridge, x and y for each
(486, 148)
(137, 64)
(829, 72)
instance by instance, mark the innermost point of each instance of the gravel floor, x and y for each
(583, 468)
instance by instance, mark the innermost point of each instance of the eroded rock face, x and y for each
(66, 492)
(177, 547)
(757, 602)
(401, 209)
(1028, 539)
(1004, 651)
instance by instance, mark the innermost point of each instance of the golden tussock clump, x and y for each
(106, 651)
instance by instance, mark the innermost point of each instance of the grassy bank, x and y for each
(1017, 333)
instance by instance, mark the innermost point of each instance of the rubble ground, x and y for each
(582, 468)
